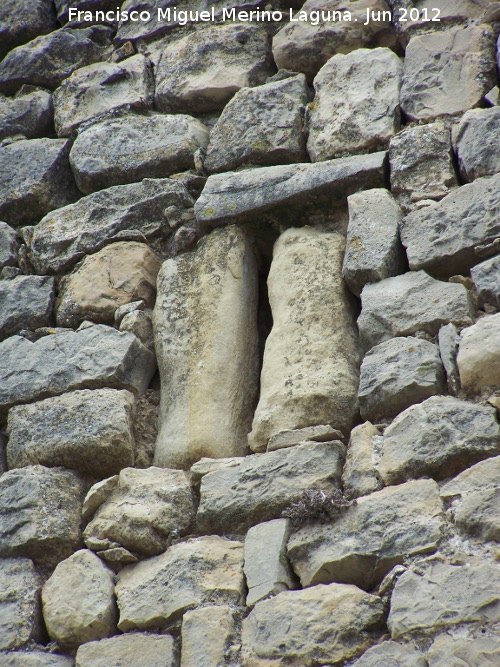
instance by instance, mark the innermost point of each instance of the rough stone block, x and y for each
(131, 649)
(455, 651)
(9, 245)
(22, 21)
(35, 659)
(20, 613)
(478, 356)
(299, 436)
(477, 157)
(448, 340)
(391, 654)
(360, 476)
(486, 278)
(207, 634)
(29, 114)
(26, 302)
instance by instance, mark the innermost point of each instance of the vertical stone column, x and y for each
(311, 359)
(205, 329)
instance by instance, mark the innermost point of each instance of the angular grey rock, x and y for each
(448, 347)
(267, 192)
(206, 465)
(478, 354)
(48, 60)
(448, 72)
(443, 238)
(438, 438)
(20, 612)
(40, 512)
(89, 431)
(9, 245)
(100, 88)
(310, 367)
(124, 212)
(78, 601)
(22, 21)
(369, 538)
(391, 654)
(29, 114)
(206, 343)
(131, 649)
(91, 358)
(203, 70)
(208, 637)
(63, 7)
(303, 47)
(403, 305)
(476, 495)
(142, 512)
(486, 278)
(445, 595)
(373, 250)
(267, 484)
(35, 659)
(360, 477)
(189, 574)
(35, 178)
(457, 651)
(127, 149)
(272, 128)
(266, 567)
(26, 302)
(140, 324)
(421, 164)
(338, 124)
(477, 157)
(396, 374)
(318, 625)
(299, 436)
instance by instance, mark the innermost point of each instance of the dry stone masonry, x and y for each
(249, 333)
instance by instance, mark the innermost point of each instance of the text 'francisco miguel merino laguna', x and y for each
(314, 17)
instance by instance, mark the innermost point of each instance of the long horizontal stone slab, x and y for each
(235, 197)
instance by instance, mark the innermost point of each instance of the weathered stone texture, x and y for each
(26, 302)
(486, 278)
(78, 601)
(360, 477)
(20, 617)
(457, 652)
(127, 149)
(310, 368)
(35, 659)
(448, 340)
(305, 435)
(321, 624)
(206, 342)
(207, 634)
(234, 498)
(131, 649)
(88, 431)
(9, 245)
(438, 438)
(201, 571)
(22, 21)
(391, 654)
(356, 107)
(404, 305)
(116, 275)
(477, 157)
(260, 126)
(479, 354)
(28, 115)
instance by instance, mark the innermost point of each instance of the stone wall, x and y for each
(249, 336)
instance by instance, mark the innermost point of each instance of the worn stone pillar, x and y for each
(205, 328)
(310, 371)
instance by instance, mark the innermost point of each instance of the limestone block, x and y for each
(303, 47)
(299, 436)
(142, 512)
(97, 495)
(122, 150)
(456, 652)
(102, 87)
(234, 498)
(89, 431)
(35, 178)
(22, 21)
(116, 275)
(396, 374)
(20, 617)
(421, 164)
(26, 302)
(391, 654)
(189, 574)
(139, 323)
(443, 237)
(360, 477)
(207, 634)
(266, 566)
(438, 438)
(310, 368)
(445, 595)
(206, 343)
(477, 157)
(476, 496)
(29, 114)
(448, 72)
(267, 192)
(203, 70)
(486, 278)
(34, 659)
(356, 106)
(369, 538)
(132, 649)
(206, 465)
(78, 601)
(448, 340)
(271, 131)
(373, 250)
(479, 354)
(321, 624)
(49, 59)
(403, 305)
(9, 245)
(40, 513)
(121, 213)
